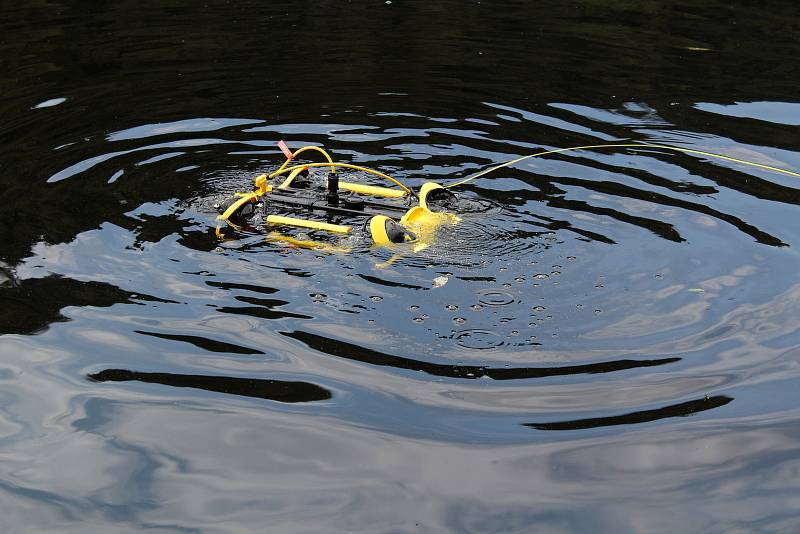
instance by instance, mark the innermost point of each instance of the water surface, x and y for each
(614, 348)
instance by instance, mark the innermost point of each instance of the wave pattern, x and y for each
(608, 341)
(572, 266)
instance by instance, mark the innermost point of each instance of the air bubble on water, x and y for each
(413, 307)
(495, 298)
(418, 320)
(506, 286)
(539, 308)
(376, 298)
(515, 332)
(598, 311)
(541, 276)
(571, 258)
(459, 320)
(451, 307)
(519, 279)
(476, 307)
(478, 339)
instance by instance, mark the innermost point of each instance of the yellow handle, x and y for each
(303, 223)
(373, 190)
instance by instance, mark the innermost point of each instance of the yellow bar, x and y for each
(303, 223)
(285, 169)
(292, 175)
(373, 190)
(248, 197)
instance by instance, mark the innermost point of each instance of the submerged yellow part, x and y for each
(304, 243)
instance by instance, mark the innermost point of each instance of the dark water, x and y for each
(617, 345)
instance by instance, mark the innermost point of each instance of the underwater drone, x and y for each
(392, 215)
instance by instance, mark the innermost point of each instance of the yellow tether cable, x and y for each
(283, 170)
(623, 145)
(305, 148)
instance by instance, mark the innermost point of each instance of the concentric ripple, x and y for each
(495, 298)
(608, 341)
